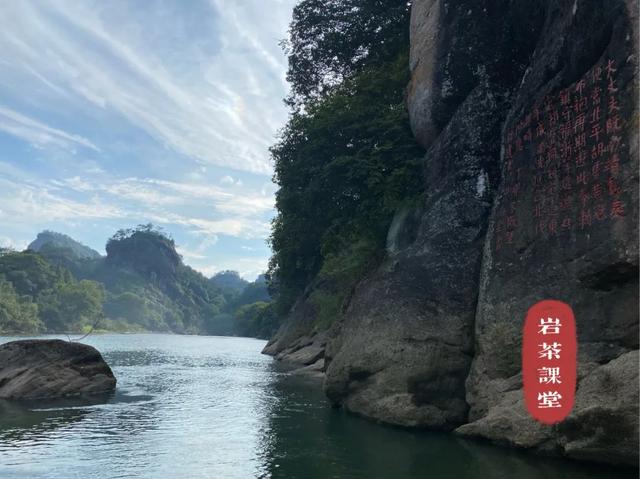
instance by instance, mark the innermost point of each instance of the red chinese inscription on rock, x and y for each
(562, 162)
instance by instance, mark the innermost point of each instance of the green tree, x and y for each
(143, 284)
(343, 167)
(17, 314)
(229, 280)
(256, 320)
(29, 272)
(128, 306)
(347, 159)
(70, 306)
(148, 249)
(330, 40)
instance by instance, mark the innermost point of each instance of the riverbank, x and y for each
(306, 357)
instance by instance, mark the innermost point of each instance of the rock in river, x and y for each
(50, 368)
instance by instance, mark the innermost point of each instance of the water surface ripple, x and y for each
(213, 407)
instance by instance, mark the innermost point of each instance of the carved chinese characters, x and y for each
(562, 163)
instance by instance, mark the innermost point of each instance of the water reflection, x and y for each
(37, 421)
(307, 439)
(21, 425)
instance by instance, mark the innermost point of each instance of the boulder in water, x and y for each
(51, 368)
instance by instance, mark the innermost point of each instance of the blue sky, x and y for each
(125, 112)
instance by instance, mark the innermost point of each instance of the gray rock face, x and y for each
(565, 226)
(455, 46)
(404, 349)
(295, 331)
(315, 370)
(603, 425)
(529, 116)
(297, 340)
(35, 369)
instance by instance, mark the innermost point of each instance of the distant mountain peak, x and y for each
(229, 280)
(62, 241)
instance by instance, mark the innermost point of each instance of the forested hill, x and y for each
(51, 238)
(142, 284)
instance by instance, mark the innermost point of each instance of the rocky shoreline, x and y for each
(616, 377)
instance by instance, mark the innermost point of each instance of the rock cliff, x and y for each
(565, 226)
(528, 112)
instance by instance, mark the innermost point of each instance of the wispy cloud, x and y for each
(6, 242)
(37, 133)
(149, 193)
(199, 252)
(40, 204)
(213, 93)
(114, 113)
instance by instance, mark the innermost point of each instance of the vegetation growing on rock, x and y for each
(346, 159)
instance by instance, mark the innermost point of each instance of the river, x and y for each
(214, 407)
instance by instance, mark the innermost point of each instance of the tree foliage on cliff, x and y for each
(333, 40)
(346, 159)
(229, 281)
(150, 287)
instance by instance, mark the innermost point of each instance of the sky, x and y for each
(119, 113)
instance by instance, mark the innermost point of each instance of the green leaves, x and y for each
(256, 319)
(70, 306)
(36, 296)
(343, 166)
(346, 160)
(330, 41)
(18, 314)
(141, 285)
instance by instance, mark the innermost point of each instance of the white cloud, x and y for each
(6, 242)
(212, 93)
(147, 192)
(143, 111)
(242, 214)
(37, 133)
(189, 254)
(240, 227)
(26, 203)
(199, 252)
(228, 180)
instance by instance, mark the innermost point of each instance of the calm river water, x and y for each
(213, 407)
